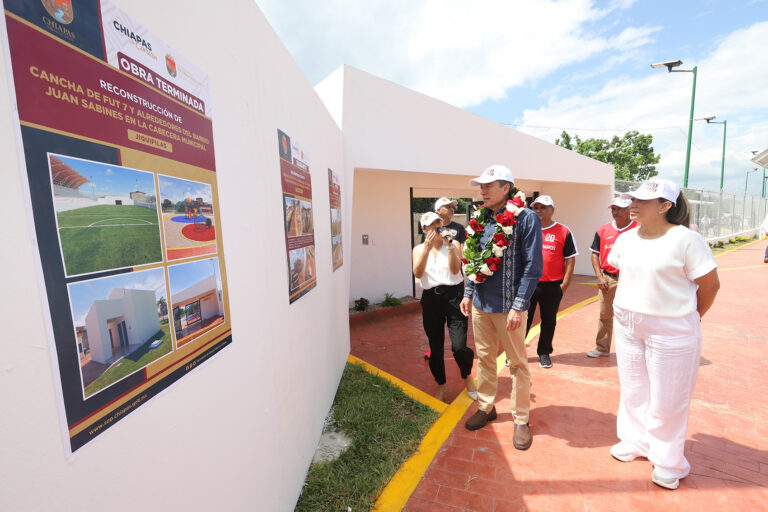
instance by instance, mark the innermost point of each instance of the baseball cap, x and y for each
(493, 173)
(545, 200)
(444, 201)
(620, 202)
(428, 218)
(655, 188)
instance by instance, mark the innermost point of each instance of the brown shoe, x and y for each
(480, 418)
(522, 439)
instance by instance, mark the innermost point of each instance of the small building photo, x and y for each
(119, 326)
(197, 304)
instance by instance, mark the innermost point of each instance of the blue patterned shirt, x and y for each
(512, 285)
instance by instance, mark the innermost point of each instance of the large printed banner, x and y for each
(117, 142)
(299, 223)
(334, 191)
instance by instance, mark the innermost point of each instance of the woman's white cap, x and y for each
(428, 218)
(493, 173)
(655, 188)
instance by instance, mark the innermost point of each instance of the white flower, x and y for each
(507, 229)
(498, 251)
(469, 231)
(485, 270)
(476, 214)
(472, 277)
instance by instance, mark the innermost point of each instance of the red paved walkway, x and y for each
(573, 417)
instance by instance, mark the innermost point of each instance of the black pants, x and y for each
(547, 295)
(440, 305)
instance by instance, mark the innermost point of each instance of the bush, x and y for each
(361, 304)
(390, 300)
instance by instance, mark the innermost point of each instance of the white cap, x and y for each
(428, 218)
(545, 200)
(493, 173)
(620, 202)
(655, 188)
(444, 201)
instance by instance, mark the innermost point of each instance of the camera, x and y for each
(446, 233)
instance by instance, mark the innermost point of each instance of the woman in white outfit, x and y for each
(436, 263)
(668, 281)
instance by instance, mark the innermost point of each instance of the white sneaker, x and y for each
(597, 353)
(663, 481)
(472, 394)
(621, 453)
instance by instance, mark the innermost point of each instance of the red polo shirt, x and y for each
(557, 245)
(603, 242)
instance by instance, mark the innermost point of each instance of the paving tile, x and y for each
(573, 415)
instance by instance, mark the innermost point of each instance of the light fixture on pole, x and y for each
(746, 182)
(761, 159)
(710, 120)
(670, 65)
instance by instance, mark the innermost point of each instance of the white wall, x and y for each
(238, 433)
(396, 138)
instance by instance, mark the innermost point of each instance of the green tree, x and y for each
(632, 155)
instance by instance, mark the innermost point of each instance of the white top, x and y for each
(438, 269)
(657, 276)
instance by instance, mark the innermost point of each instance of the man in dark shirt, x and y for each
(499, 303)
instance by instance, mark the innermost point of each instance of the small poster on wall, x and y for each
(334, 190)
(299, 223)
(119, 167)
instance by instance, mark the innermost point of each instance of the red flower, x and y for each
(493, 263)
(518, 202)
(500, 240)
(476, 226)
(480, 277)
(464, 260)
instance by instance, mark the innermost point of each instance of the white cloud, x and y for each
(457, 51)
(730, 84)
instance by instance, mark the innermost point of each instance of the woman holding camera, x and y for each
(668, 281)
(437, 264)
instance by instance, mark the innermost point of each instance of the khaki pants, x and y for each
(488, 329)
(605, 323)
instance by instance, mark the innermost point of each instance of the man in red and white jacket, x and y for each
(608, 276)
(558, 250)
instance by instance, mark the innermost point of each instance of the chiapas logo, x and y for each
(60, 10)
(170, 65)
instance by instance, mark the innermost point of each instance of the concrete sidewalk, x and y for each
(573, 417)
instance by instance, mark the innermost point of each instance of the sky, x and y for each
(106, 179)
(82, 294)
(544, 66)
(185, 275)
(177, 189)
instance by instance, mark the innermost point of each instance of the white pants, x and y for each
(658, 360)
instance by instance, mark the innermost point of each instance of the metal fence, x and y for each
(718, 215)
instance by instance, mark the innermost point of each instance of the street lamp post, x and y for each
(710, 120)
(673, 64)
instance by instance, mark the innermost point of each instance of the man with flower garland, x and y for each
(502, 262)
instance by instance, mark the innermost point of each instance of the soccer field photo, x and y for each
(106, 215)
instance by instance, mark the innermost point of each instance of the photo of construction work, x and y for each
(121, 325)
(189, 225)
(106, 215)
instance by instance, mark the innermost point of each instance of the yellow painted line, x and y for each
(588, 284)
(397, 492)
(737, 248)
(399, 489)
(409, 390)
(742, 268)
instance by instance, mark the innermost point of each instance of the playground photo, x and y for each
(292, 216)
(106, 215)
(197, 302)
(121, 326)
(338, 251)
(302, 266)
(188, 222)
(335, 222)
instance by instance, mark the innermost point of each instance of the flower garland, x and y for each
(481, 262)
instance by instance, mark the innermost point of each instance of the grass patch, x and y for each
(89, 248)
(385, 426)
(731, 244)
(136, 360)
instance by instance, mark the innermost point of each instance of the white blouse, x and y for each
(438, 270)
(657, 276)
